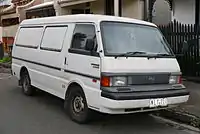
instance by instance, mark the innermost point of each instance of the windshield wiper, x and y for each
(141, 52)
(130, 54)
(159, 55)
(162, 54)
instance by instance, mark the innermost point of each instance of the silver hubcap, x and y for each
(26, 84)
(78, 104)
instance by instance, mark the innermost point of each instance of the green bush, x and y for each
(5, 59)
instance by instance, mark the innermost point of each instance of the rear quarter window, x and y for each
(53, 38)
(29, 37)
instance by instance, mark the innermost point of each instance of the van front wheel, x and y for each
(76, 106)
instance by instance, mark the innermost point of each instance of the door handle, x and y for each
(95, 65)
(65, 62)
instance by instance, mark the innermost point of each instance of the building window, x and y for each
(80, 11)
(43, 12)
(10, 21)
(84, 10)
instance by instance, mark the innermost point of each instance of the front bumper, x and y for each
(122, 103)
(144, 94)
(133, 106)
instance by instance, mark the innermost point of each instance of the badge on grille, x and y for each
(151, 78)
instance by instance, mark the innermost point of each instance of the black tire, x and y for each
(27, 89)
(82, 116)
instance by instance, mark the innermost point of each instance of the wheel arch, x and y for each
(70, 87)
(23, 70)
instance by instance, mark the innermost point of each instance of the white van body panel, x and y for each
(139, 64)
(43, 77)
(83, 18)
(54, 68)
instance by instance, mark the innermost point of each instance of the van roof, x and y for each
(82, 18)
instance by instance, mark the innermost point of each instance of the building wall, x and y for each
(67, 10)
(97, 7)
(132, 9)
(8, 35)
(184, 11)
(9, 31)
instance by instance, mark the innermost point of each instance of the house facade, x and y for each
(3, 4)
(19, 10)
(11, 16)
(126, 8)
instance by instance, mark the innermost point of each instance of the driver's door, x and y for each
(81, 64)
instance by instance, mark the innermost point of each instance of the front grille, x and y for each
(148, 79)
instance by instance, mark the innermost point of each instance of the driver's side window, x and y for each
(82, 33)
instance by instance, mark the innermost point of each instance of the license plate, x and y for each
(158, 102)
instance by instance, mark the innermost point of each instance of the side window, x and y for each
(53, 38)
(29, 37)
(83, 32)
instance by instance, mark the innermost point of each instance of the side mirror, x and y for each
(90, 45)
(185, 47)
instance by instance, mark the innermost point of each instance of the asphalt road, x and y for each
(43, 114)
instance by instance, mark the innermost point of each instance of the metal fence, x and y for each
(176, 33)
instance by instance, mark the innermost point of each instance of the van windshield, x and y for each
(121, 38)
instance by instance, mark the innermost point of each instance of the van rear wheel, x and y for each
(27, 89)
(76, 106)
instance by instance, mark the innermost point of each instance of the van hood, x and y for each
(139, 65)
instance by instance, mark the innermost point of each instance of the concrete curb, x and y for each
(5, 65)
(176, 124)
(181, 117)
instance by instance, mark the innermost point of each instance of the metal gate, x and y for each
(176, 33)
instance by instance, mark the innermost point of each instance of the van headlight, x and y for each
(118, 81)
(175, 80)
(115, 81)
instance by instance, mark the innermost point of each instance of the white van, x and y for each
(108, 64)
